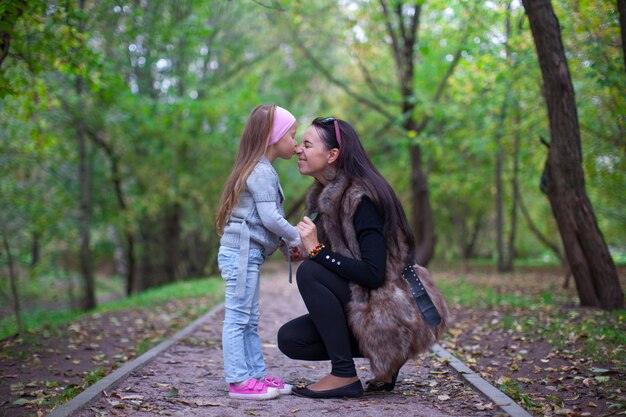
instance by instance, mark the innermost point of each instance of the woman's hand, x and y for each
(308, 233)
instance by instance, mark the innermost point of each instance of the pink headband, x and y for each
(283, 120)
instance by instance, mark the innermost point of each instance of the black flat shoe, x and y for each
(374, 385)
(353, 390)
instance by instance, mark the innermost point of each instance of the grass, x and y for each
(48, 319)
(513, 390)
(602, 333)
(553, 316)
(468, 294)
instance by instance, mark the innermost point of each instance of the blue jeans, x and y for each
(241, 344)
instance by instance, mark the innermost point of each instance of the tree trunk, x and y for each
(84, 175)
(594, 272)
(116, 178)
(402, 30)
(505, 256)
(13, 282)
(621, 8)
(422, 213)
(515, 185)
(131, 284)
(35, 252)
(171, 242)
(500, 187)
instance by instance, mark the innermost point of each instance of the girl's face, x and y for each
(286, 146)
(313, 157)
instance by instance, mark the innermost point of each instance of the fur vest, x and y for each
(388, 326)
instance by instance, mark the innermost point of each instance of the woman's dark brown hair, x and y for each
(354, 162)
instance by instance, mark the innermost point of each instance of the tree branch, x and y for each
(537, 233)
(373, 84)
(317, 64)
(441, 87)
(8, 22)
(272, 7)
(394, 38)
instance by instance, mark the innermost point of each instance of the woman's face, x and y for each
(313, 157)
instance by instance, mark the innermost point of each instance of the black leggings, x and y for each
(324, 333)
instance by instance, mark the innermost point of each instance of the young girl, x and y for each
(250, 220)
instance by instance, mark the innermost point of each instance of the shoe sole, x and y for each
(286, 390)
(353, 390)
(267, 396)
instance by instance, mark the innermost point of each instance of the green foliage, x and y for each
(464, 293)
(95, 376)
(166, 89)
(50, 319)
(602, 332)
(513, 390)
(543, 315)
(153, 296)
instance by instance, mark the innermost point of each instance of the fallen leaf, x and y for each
(503, 380)
(201, 403)
(483, 407)
(173, 392)
(23, 401)
(184, 401)
(132, 397)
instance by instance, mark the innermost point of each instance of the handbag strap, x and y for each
(422, 299)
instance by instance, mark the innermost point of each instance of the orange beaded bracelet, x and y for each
(315, 251)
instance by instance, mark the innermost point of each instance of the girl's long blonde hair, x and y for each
(252, 147)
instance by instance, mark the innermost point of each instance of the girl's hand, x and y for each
(296, 253)
(308, 233)
(283, 248)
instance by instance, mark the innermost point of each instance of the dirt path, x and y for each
(187, 379)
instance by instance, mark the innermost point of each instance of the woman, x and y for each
(358, 242)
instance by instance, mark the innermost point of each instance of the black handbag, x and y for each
(421, 297)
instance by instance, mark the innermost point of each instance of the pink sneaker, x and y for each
(279, 384)
(252, 389)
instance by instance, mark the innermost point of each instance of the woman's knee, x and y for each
(308, 272)
(285, 340)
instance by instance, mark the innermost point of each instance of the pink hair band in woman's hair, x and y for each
(283, 120)
(336, 124)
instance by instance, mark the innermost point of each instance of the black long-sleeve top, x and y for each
(370, 270)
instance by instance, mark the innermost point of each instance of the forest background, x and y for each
(120, 121)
